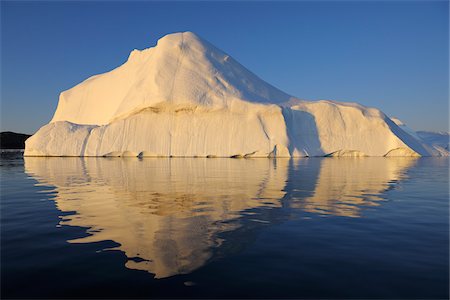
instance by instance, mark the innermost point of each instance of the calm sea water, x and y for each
(224, 228)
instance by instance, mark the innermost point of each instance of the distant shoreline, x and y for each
(12, 140)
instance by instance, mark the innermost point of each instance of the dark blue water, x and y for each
(224, 228)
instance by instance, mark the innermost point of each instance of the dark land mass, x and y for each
(13, 140)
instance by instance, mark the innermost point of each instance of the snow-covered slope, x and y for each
(185, 97)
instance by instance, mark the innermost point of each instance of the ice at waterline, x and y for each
(186, 98)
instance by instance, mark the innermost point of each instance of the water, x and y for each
(165, 228)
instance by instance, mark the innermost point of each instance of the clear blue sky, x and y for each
(390, 55)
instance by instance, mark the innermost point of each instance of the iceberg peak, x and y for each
(181, 68)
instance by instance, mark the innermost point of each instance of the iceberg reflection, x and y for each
(166, 212)
(167, 215)
(345, 185)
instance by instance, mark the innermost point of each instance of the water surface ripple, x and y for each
(183, 227)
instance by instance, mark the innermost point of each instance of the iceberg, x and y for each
(186, 98)
(439, 140)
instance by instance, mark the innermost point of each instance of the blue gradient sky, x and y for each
(390, 55)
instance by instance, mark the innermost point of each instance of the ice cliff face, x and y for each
(184, 97)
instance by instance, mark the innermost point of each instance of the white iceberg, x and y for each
(186, 98)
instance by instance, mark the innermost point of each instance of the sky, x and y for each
(391, 55)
